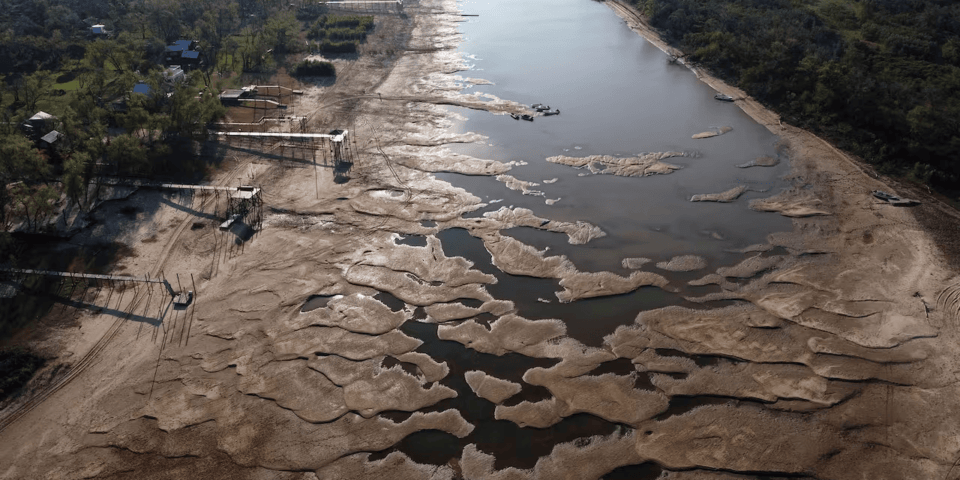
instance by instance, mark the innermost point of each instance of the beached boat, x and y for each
(723, 98)
(885, 196)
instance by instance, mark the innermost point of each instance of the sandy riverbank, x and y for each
(838, 360)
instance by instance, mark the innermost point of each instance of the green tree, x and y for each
(19, 160)
(128, 153)
(33, 88)
(191, 111)
(36, 204)
(281, 30)
(121, 54)
(75, 178)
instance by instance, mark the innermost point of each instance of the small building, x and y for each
(40, 120)
(174, 75)
(235, 96)
(174, 52)
(99, 31)
(38, 124)
(49, 141)
(190, 59)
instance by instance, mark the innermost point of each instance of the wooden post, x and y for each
(120, 301)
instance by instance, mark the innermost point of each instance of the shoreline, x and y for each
(771, 120)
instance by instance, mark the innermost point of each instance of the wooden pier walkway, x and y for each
(91, 276)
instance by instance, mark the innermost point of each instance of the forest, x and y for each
(88, 88)
(99, 68)
(879, 78)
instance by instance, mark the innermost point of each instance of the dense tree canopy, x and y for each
(879, 77)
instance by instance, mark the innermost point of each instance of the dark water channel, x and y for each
(587, 320)
(511, 445)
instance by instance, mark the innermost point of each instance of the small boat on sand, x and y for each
(895, 200)
(723, 98)
(885, 196)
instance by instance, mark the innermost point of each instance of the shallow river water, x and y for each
(618, 95)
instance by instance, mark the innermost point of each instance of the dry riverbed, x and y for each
(835, 356)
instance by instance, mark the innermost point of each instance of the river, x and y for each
(618, 95)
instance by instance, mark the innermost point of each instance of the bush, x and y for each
(17, 367)
(878, 77)
(354, 27)
(314, 68)
(330, 46)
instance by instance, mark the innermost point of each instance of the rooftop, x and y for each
(42, 116)
(233, 94)
(180, 46)
(174, 73)
(245, 192)
(51, 137)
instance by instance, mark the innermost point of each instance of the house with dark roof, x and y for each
(38, 125)
(173, 54)
(50, 139)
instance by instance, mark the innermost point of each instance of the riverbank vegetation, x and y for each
(880, 78)
(16, 369)
(100, 70)
(314, 68)
(341, 33)
(89, 89)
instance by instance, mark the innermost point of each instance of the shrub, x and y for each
(16, 369)
(314, 68)
(354, 27)
(330, 46)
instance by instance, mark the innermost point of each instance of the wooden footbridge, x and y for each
(337, 140)
(98, 278)
(364, 5)
(243, 203)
